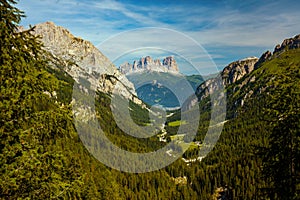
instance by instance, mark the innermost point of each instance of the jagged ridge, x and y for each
(148, 64)
(230, 74)
(237, 70)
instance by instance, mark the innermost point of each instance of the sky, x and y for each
(206, 34)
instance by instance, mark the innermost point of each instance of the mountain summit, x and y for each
(230, 74)
(60, 42)
(83, 61)
(148, 64)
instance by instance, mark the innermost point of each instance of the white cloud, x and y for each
(131, 13)
(262, 25)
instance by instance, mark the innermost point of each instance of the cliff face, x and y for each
(171, 64)
(236, 70)
(61, 43)
(148, 64)
(82, 60)
(291, 43)
(230, 74)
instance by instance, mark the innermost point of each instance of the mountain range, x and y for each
(43, 155)
(148, 64)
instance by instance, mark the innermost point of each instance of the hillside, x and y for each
(252, 159)
(41, 154)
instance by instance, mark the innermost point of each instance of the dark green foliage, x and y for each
(282, 155)
(195, 80)
(257, 155)
(64, 94)
(30, 120)
(262, 132)
(155, 94)
(139, 115)
(41, 155)
(116, 135)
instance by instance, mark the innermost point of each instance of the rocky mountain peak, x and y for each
(291, 43)
(230, 74)
(171, 63)
(60, 42)
(149, 64)
(236, 70)
(82, 60)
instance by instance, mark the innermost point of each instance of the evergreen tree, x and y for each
(282, 157)
(30, 119)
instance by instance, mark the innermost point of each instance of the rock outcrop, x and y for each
(264, 57)
(230, 74)
(82, 60)
(236, 70)
(60, 42)
(148, 64)
(171, 64)
(291, 43)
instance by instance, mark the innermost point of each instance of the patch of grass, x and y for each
(185, 146)
(176, 123)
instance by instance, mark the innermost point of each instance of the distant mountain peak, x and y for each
(168, 64)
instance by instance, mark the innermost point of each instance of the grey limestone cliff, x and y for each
(230, 74)
(82, 60)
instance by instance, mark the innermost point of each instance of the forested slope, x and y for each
(41, 154)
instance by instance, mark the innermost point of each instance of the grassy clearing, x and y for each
(184, 145)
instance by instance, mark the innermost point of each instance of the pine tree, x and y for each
(282, 157)
(30, 120)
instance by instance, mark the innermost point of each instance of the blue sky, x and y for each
(227, 29)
